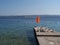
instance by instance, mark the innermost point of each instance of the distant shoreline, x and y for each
(30, 15)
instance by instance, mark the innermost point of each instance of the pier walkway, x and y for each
(48, 38)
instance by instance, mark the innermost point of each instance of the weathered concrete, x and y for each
(48, 38)
(49, 34)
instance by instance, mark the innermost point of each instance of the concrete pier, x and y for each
(47, 38)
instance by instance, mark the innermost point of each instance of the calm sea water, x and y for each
(20, 28)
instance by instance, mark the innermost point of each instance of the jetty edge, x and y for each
(46, 36)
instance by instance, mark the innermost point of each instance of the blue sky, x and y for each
(29, 7)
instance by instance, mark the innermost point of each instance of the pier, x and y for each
(47, 38)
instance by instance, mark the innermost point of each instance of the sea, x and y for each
(18, 30)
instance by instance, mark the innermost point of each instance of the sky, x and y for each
(29, 7)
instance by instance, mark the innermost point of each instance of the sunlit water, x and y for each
(19, 31)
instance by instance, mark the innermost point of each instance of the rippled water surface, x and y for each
(18, 30)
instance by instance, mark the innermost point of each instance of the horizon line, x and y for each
(32, 15)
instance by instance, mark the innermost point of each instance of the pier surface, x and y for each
(48, 34)
(48, 38)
